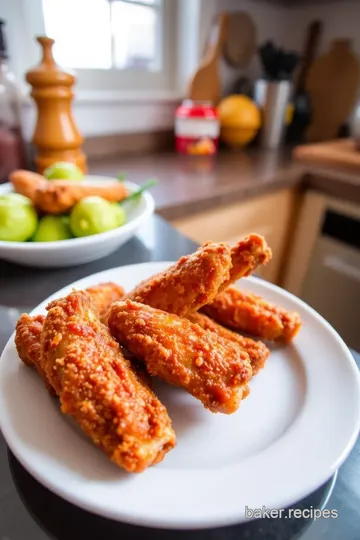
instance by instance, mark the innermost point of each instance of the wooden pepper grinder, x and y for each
(56, 136)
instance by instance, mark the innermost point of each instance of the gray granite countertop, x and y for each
(191, 184)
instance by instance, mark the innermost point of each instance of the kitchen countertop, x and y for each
(29, 511)
(340, 154)
(192, 184)
(334, 183)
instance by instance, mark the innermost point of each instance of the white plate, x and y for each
(288, 437)
(80, 250)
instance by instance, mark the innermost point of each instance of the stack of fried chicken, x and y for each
(183, 325)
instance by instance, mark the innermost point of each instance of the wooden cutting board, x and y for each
(332, 84)
(205, 85)
(339, 154)
(240, 39)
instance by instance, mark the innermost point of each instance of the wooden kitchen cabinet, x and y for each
(306, 234)
(270, 215)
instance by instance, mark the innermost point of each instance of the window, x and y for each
(105, 34)
(114, 45)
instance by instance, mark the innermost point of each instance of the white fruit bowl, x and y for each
(77, 251)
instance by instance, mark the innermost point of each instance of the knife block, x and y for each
(56, 137)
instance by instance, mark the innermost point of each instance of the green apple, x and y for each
(94, 215)
(63, 170)
(18, 222)
(16, 198)
(52, 229)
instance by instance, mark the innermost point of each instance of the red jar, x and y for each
(197, 128)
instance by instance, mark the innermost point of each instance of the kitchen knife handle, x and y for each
(311, 45)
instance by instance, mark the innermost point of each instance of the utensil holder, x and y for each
(272, 97)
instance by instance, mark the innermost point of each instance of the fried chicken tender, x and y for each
(246, 256)
(195, 279)
(59, 196)
(245, 312)
(213, 369)
(257, 351)
(99, 389)
(26, 182)
(103, 295)
(190, 283)
(27, 341)
(28, 328)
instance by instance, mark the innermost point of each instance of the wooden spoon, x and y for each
(205, 84)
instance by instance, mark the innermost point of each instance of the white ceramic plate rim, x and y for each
(129, 226)
(305, 457)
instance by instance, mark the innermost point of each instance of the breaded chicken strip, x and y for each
(28, 328)
(103, 295)
(59, 196)
(195, 279)
(190, 283)
(27, 338)
(257, 351)
(27, 341)
(214, 370)
(246, 256)
(26, 182)
(99, 389)
(245, 312)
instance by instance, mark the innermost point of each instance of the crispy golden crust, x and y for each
(27, 341)
(246, 312)
(103, 295)
(190, 283)
(26, 182)
(213, 369)
(246, 256)
(257, 351)
(59, 196)
(28, 328)
(27, 338)
(99, 389)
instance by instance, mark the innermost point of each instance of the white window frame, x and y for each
(183, 36)
(106, 84)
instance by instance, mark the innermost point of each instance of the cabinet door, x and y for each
(269, 215)
(304, 246)
(303, 240)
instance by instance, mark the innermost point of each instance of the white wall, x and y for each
(340, 19)
(285, 26)
(98, 112)
(270, 21)
(111, 116)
